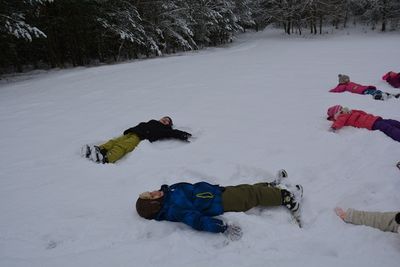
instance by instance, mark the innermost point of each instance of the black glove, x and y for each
(185, 136)
(233, 232)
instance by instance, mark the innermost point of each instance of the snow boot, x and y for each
(291, 198)
(282, 173)
(382, 96)
(279, 176)
(86, 151)
(98, 155)
(378, 97)
(387, 96)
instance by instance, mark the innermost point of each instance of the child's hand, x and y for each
(340, 212)
(333, 130)
(233, 232)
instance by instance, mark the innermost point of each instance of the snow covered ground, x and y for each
(253, 107)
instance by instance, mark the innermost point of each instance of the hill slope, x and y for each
(254, 107)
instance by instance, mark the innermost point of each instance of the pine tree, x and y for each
(175, 23)
(15, 31)
(12, 19)
(121, 19)
(243, 11)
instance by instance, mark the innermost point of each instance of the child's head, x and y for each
(166, 120)
(332, 111)
(336, 110)
(343, 78)
(149, 204)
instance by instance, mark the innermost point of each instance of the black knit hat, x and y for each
(170, 120)
(148, 208)
(397, 218)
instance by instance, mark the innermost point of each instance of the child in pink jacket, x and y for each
(392, 78)
(342, 116)
(346, 85)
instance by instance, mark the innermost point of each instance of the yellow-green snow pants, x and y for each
(244, 197)
(118, 147)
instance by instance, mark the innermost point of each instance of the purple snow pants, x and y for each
(389, 127)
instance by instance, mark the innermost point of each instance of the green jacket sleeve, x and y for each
(384, 221)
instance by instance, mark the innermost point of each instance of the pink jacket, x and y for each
(392, 78)
(356, 118)
(351, 87)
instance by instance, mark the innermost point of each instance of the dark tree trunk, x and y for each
(320, 24)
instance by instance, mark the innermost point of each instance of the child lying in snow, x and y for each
(197, 204)
(116, 148)
(346, 85)
(392, 78)
(385, 221)
(342, 116)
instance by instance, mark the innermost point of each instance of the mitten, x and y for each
(185, 136)
(397, 218)
(233, 232)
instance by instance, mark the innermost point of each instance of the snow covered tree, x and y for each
(172, 20)
(379, 11)
(227, 22)
(320, 11)
(243, 12)
(176, 24)
(15, 30)
(214, 21)
(13, 22)
(259, 14)
(60, 33)
(289, 13)
(122, 20)
(73, 31)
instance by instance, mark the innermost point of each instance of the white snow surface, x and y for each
(253, 107)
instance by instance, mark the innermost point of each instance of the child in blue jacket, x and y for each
(197, 204)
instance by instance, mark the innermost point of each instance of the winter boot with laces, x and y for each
(281, 174)
(382, 96)
(98, 155)
(291, 198)
(86, 151)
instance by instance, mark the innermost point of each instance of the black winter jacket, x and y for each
(154, 130)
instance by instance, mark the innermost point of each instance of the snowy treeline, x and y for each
(56, 33)
(297, 15)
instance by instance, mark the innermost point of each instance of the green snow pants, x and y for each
(244, 197)
(118, 147)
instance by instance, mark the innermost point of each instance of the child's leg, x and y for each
(372, 92)
(244, 197)
(394, 123)
(378, 94)
(109, 144)
(119, 147)
(387, 128)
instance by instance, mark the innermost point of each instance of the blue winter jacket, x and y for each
(194, 205)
